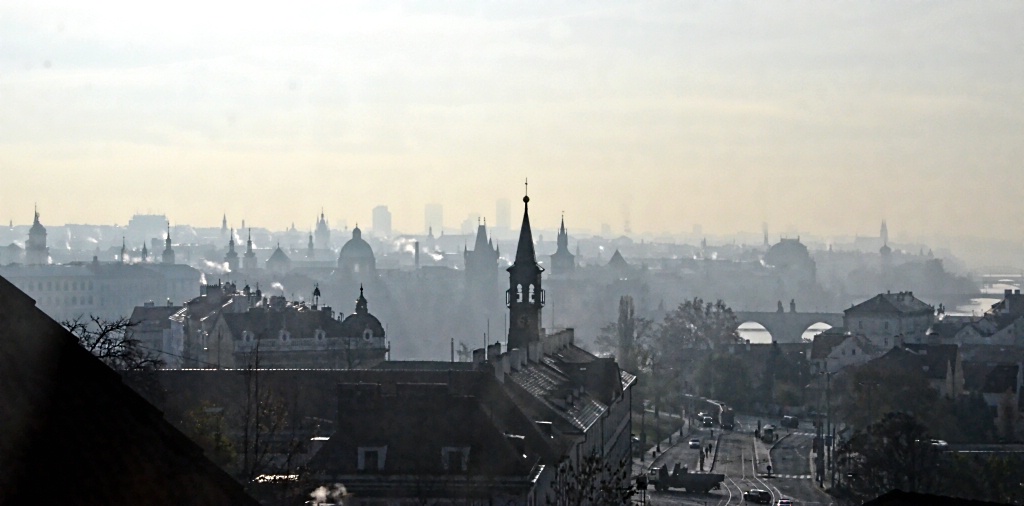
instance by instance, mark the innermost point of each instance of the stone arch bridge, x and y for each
(787, 327)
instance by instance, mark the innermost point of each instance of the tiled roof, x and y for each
(901, 302)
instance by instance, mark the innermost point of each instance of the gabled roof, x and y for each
(937, 357)
(617, 262)
(898, 303)
(70, 420)
(824, 343)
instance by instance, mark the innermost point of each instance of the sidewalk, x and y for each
(649, 461)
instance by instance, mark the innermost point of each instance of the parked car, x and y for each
(758, 496)
(784, 502)
(791, 422)
(695, 442)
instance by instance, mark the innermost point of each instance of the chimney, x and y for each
(494, 351)
(1008, 292)
(534, 352)
(514, 358)
(479, 356)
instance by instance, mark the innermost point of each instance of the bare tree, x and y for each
(113, 342)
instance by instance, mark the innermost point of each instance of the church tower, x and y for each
(145, 253)
(168, 257)
(36, 252)
(231, 258)
(323, 233)
(563, 262)
(524, 297)
(482, 265)
(249, 261)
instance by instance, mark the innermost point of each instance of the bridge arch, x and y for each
(754, 332)
(787, 327)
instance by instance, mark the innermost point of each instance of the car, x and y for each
(784, 502)
(695, 442)
(791, 422)
(758, 496)
(708, 421)
(938, 443)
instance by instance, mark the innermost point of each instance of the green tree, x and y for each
(893, 453)
(697, 324)
(724, 377)
(628, 337)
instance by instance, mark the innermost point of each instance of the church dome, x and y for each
(787, 252)
(356, 248)
(361, 323)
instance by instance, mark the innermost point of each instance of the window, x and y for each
(320, 334)
(284, 335)
(371, 458)
(455, 459)
(367, 334)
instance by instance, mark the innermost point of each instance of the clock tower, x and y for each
(524, 297)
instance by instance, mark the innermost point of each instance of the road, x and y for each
(743, 460)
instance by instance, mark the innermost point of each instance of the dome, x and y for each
(356, 257)
(787, 252)
(361, 323)
(356, 247)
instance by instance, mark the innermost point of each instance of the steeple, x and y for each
(168, 255)
(562, 261)
(361, 302)
(124, 250)
(224, 224)
(249, 261)
(231, 258)
(525, 297)
(145, 253)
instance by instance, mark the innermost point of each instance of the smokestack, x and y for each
(453, 349)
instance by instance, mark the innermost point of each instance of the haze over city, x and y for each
(815, 118)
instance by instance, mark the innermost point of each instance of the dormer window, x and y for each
(455, 459)
(284, 335)
(371, 458)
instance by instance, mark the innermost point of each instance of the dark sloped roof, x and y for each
(266, 323)
(937, 357)
(990, 379)
(901, 303)
(617, 262)
(73, 433)
(824, 343)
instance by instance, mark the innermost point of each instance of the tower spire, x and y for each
(525, 298)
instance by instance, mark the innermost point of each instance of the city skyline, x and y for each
(818, 119)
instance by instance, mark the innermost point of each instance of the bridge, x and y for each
(787, 327)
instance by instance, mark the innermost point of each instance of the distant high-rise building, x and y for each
(36, 252)
(382, 221)
(503, 215)
(322, 235)
(471, 222)
(433, 217)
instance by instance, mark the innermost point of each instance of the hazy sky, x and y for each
(821, 117)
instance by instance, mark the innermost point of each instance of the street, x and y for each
(743, 460)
